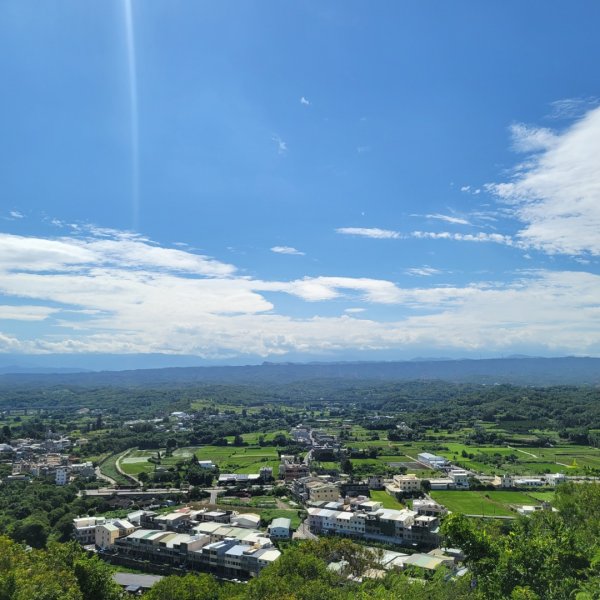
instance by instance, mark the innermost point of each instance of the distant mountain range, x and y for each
(515, 370)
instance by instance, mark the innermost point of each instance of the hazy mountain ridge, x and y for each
(522, 371)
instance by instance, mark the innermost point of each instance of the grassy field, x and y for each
(109, 469)
(487, 503)
(230, 459)
(385, 499)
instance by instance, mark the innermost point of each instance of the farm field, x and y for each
(232, 459)
(482, 502)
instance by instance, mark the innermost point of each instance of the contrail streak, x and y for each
(133, 108)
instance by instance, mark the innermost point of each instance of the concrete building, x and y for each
(429, 508)
(290, 469)
(280, 529)
(460, 478)
(107, 533)
(403, 527)
(555, 478)
(62, 476)
(404, 484)
(228, 557)
(84, 529)
(441, 483)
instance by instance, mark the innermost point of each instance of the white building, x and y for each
(460, 478)
(280, 529)
(85, 529)
(432, 461)
(555, 478)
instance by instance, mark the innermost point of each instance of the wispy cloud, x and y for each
(448, 219)
(304, 101)
(281, 145)
(555, 193)
(424, 271)
(15, 214)
(531, 139)
(26, 313)
(354, 310)
(496, 238)
(572, 108)
(370, 232)
(287, 250)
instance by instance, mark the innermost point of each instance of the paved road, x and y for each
(101, 475)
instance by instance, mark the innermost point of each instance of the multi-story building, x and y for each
(290, 469)
(404, 484)
(107, 533)
(62, 476)
(403, 527)
(460, 478)
(84, 529)
(229, 556)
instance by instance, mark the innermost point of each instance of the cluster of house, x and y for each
(47, 459)
(222, 542)
(370, 521)
(515, 481)
(450, 558)
(456, 479)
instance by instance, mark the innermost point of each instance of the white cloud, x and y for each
(88, 295)
(424, 271)
(15, 214)
(281, 145)
(304, 101)
(572, 108)
(495, 238)
(556, 192)
(531, 139)
(25, 313)
(354, 310)
(449, 219)
(370, 232)
(287, 250)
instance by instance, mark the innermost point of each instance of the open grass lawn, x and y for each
(542, 496)
(385, 499)
(482, 502)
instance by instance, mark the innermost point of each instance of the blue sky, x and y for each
(299, 180)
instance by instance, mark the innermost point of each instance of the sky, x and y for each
(233, 182)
